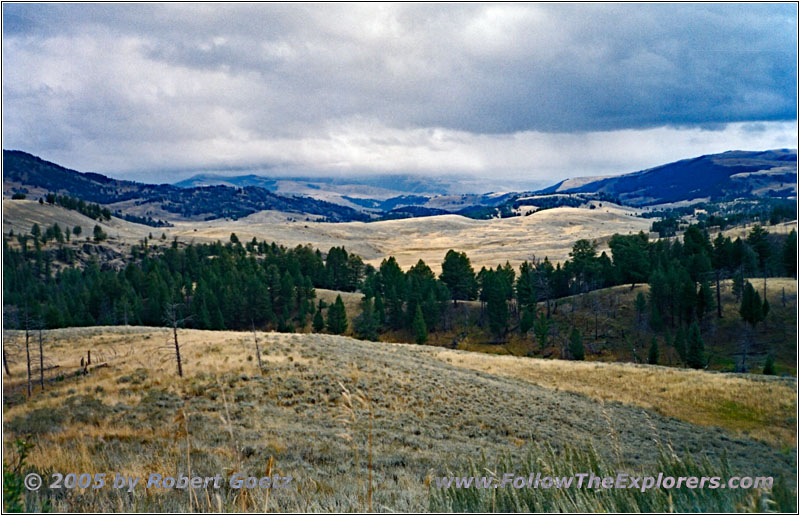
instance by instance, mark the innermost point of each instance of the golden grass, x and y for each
(759, 407)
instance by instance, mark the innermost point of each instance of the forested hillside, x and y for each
(259, 285)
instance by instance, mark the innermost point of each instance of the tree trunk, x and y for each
(177, 350)
(258, 351)
(41, 360)
(719, 302)
(28, 360)
(5, 360)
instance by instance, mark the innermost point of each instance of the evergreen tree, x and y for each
(527, 320)
(769, 365)
(337, 317)
(656, 322)
(680, 344)
(652, 354)
(99, 234)
(738, 284)
(459, 276)
(790, 254)
(751, 309)
(365, 325)
(541, 327)
(696, 353)
(705, 300)
(494, 290)
(641, 305)
(630, 256)
(319, 323)
(420, 329)
(380, 312)
(576, 344)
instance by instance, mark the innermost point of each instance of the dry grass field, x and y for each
(549, 233)
(431, 410)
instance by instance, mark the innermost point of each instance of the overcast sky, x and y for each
(525, 91)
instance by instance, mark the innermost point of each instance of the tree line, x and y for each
(256, 284)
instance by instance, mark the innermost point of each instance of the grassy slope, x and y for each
(620, 338)
(431, 409)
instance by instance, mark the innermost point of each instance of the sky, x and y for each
(535, 92)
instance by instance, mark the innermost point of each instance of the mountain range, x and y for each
(716, 177)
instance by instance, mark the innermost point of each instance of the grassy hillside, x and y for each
(608, 322)
(308, 413)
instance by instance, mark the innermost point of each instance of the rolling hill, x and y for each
(714, 177)
(333, 412)
(25, 173)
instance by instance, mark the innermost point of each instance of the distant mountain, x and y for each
(716, 177)
(23, 172)
(386, 184)
(235, 181)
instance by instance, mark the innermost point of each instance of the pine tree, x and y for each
(365, 325)
(420, 329)
(738, 284)
(705, 300)
(790, 254)
(751, 309)
(541, 327)
(319, 322)
(656, 322)
(696, 353)
(527, 320)
(652, 355)
(641, 305)
(459, 276)
(680, 344)
(769, 365)
(337, 317)
(576, 344)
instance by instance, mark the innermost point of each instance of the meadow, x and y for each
(363, 425)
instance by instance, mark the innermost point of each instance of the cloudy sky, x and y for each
(523, 91)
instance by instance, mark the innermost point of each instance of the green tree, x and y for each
(495, 291)
(365, 325)
(751, 309)
(319, 323)
(337, 317)
(99, 234)
(758, 240)
(420, 329)
(652, 354)
(769, 365)
(77, 230)
(527, 320)
(585, 265)
(630, 256)
(696, 352)
(705, 300)
(641, 305)
(790, 254)
(680, 344)
(459, 276)
(576, 344)
(541, 328)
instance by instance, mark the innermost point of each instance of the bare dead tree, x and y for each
(171, 317)
(10, 319)
(27, 321)
(258, 351)
(41, 355)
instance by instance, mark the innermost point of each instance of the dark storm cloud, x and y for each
(255, 75)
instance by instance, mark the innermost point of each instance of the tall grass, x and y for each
(574, 459)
